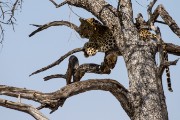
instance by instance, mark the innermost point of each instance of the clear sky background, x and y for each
(21, 55)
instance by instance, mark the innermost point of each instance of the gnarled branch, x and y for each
(149, 9)
(24, 108)
(55, 99)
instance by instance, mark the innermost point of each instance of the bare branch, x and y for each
(160, 10)
(150, 6)
(61, 4)
(118, 90)
(24, 108)
(160, 22)
(54, 76)
(170, 63)
(56, 99)
(58, 61)
(166, 64)
(54, 23)
(173, 49)
(13, 9)
(14, 92)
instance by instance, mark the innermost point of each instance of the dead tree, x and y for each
(145, 98)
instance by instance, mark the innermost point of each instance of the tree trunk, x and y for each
(144, 100)
(144, 90)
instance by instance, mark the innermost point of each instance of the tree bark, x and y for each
(145, 87)
(143, 83)
(144, 100)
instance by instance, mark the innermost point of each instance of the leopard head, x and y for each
(87, 27)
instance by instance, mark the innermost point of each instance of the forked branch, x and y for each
(58, 5)
(160, 10)
(149, 9)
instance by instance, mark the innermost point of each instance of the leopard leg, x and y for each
(72, 66)
(109, 63)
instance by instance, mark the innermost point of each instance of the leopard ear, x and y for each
(81, 20)
(90, 20)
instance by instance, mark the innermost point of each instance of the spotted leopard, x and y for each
(145, 35)
(100, 40)
(100, 37)
(165, 54)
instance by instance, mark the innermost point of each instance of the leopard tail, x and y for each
(167, 72)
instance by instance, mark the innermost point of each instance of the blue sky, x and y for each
(21, 55)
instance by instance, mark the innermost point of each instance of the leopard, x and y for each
(100, 37)
(100, 40)
(146, 35)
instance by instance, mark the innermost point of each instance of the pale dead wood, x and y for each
(23, 108)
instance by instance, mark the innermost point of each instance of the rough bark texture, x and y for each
(144, 100)
(143, 87)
